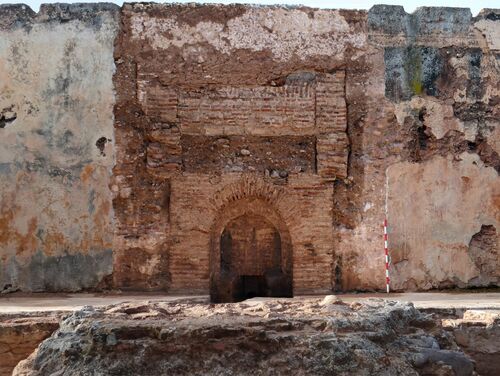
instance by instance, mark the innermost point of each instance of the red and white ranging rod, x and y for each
(386, 250)
(386, 246)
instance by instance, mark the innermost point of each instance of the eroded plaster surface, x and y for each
(56, 155)
(284, 32)
(436, 208)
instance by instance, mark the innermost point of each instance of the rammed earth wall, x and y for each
(129, 139)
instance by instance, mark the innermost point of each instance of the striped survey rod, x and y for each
(386, 250)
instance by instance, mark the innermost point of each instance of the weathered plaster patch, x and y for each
(438, 116)
(150, 267)
(494, 137)
(435, 208)
(490, 31)
(285, 32)
(63, 272)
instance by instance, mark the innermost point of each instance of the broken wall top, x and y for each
(14, 16)
(382, 19)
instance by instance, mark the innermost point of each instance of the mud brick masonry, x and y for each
(248, 150)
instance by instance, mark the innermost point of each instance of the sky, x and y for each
(409, 5)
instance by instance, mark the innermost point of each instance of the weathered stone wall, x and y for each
(442, 76)
(320, 121)
(56, 146)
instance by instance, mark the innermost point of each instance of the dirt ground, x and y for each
(71, 302)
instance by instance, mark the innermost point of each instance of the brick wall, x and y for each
(196, 153)
(264, 111)
(308, 105)
(197, 141)
(304, 204)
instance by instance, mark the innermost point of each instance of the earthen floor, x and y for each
(70, 302)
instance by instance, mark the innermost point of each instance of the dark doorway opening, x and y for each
(251, 261)
(252, 286)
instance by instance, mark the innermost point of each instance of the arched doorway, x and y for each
(251, 255)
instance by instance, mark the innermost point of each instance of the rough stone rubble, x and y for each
(310, 337)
